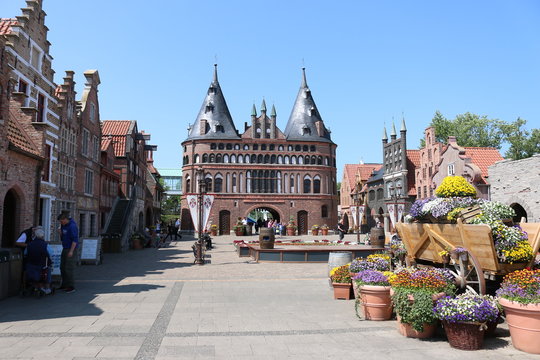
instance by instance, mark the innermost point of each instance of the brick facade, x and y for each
(515, 183)
(430, 158)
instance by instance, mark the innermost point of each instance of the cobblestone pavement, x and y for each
(155, 304)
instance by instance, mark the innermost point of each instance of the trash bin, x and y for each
(4, 273)
(15, 271)
(376, 237)
(266, 238)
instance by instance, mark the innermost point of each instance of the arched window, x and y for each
(307, 184)
(240, 159)
(253, 159)
(266, 159)
(305, 148)
(327, 161)
(188, 184)
(221, 146)
(233, 159)
(286, 159)
(228, 146)
(259, 159)
(291, 184)
(240, 182)
(208, 181)
(297, 148)
(279, 182)
(319, 160)
(236, 146)
(313, 160)
(293, 159)
(300, 160)
(187, 159)
(306, 160)
(380, 194)
(213, 146)
(273, 159)
(212, 158)
(371, 195)
(280, 148)
(196, 161)
(246, 147)
(228, 183)
(312, 148)
(324, 211)
(272, 182)
(263, 147)
(280, 159)
(316, 185)
(205, 158)
(246, 159)
(290, 148)
(218, 158)
(218, 184)
(226, 158)
(248, 181)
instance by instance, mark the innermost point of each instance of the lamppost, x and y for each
(356, 198)
(395, 196)
(200, 198)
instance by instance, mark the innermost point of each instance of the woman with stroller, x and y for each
(38, 263)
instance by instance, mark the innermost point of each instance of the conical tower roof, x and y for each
(216, 113)
(304, 116)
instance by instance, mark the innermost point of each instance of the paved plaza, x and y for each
(155, 304)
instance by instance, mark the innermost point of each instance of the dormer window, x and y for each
(219, 128)
(312, 111)
(211, 90)
(306, 130)
(209, 107)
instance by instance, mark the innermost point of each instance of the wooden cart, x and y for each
(479, 260)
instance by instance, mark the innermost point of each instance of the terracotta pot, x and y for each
(464, 335)
(376, 302)
(356, 289)
(324, 232)
(291, 231)
(342, 291)
(524, 325)
(408, 331)
(213, 232)
(315, 232)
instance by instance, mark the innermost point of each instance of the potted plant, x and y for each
(374, 294)
(324, 230)
(315, 230)
(519, 295)
(291, 227)
(413, 293)
(464, 319)
(378, 262)
(341, 282)
(137, 241)
(213, 230)
(239, 228)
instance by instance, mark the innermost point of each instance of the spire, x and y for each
(215, 81)
(384, 136)
(263, 106)
(305, 122)
(214, 120)
(273, 111)
(403, 127)
(393, 134)
(253, 111)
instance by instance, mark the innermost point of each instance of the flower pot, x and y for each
(291, 231)
(342, 291)
(376, 302)
(213, 232)
(315, 232)
(464, 335)
(137, 243)
(408, 331)
(524, 325)
(324, 232)
(239, 231)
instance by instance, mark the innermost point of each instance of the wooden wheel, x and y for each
(469, 275)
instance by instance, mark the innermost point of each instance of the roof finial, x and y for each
(384, 136)
(273, 112)
(215, 73)
(253, 111)
(304, 81)
(403, 127)
(263, 106)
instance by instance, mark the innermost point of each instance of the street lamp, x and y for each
(395, 196)
(200, 209)
(356, 198)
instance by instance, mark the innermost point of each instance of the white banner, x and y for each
(361, 210)
(400, 211)
(392, 213)
(192, 201)
(353, 213)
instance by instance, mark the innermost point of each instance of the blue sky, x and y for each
(366, 62)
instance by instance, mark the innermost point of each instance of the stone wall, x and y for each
(517, 182)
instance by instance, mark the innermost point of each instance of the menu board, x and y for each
(90, 250)
(56, 250)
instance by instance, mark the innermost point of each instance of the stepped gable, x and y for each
(305, 122)
(483, 157)
(214, 120)
(413, 161)
(117, 130)
(19, 139)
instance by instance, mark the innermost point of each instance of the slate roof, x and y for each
(6, 24)
(215, 111)
(304, 115)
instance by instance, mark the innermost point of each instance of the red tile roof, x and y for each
(105, 142)
(6, 24)
(20, 139)
(483, 157)
(116, 130)
(365, 172)
(413, 161)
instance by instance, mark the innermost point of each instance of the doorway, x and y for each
(302, 222)
(224, 222)
(520, 213)
(10, 220)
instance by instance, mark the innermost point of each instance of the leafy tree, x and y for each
(523, 144)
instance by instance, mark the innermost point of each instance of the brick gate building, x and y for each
(289, 173)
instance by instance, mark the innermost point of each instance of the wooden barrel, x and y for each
(376, 237)
(266, 238)
(338, 258)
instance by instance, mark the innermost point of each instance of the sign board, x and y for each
(90, 250)
(56, 250)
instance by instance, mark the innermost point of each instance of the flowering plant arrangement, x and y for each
(324, 226)
(372, 277)
(496, 210)
(379, 262)
(420, 284)
(213, 227)
(341, 274)
(417, 209)
(455, 186)
(467, 308)
(315, 227)
(522, 286)
(397, 247)
(443, 253)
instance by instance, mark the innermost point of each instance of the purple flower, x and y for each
(371, 277)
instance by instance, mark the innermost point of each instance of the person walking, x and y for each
(68, 260)
(341, 228)
(177, 226)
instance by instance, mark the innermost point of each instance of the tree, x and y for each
(523, 144)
